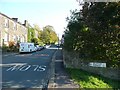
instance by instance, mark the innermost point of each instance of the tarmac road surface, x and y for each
(30, 70)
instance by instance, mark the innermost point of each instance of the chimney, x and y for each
(26, 23)
(15, 19)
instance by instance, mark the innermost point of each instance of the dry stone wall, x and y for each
(72, 60)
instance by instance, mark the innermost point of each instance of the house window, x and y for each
(6, 23)
(21, 40)
(15, 38)
(14, 26)
(6, 37)
(18, 38)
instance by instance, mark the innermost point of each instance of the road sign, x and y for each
(96, 64)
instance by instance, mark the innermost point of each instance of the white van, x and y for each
(27, 47)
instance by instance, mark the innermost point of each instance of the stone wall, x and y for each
(72, 60)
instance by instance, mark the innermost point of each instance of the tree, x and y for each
(103, 21)
(34, 40)
(31, 33)
(94, 31)
(73, 33)
(48, 35)
(38, 32)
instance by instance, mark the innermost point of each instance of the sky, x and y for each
(40, 12)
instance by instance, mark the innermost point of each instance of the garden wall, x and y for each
(72, 60)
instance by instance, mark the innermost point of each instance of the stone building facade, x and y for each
(12, 30)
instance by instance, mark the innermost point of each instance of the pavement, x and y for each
(62, 79)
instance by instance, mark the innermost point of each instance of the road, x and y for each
(31, 70)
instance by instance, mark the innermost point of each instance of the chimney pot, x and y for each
(15, 19)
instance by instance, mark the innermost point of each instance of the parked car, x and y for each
(46, 46)
(39, 47)
(35, 48)
(58, 45)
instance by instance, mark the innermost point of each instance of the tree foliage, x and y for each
(34, 40)
(45, 36)
(48, 35)
(38, 33)
(31, 33)
(94, 32)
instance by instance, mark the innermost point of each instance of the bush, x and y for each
(34, 40)
(11, 48)
(4, 48)
(88, 80)
(11, 44)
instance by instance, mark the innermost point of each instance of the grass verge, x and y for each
(89, 80)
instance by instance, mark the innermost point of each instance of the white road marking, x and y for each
(58, 60)
(41, 68)
(23, 55)
(41, 55)
(26, 68)
(36, 66)
(13, 68)
(12, 64)
(5, 55)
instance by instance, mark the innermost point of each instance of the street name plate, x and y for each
(96, 64)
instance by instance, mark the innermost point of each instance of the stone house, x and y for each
(12, 30)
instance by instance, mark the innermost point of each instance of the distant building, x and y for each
(12, 30)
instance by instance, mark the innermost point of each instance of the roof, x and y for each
(12, 19)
